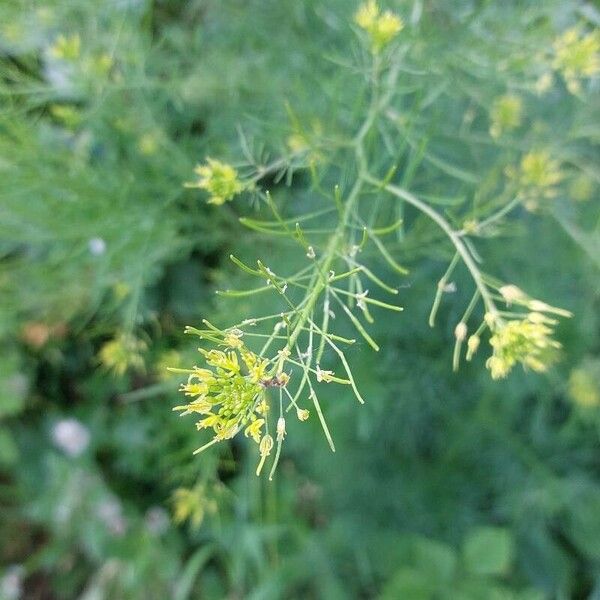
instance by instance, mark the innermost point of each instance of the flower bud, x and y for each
(460, 332)
(511, 293)
(219, 179)
(539, 306)
(472, 346)
(265, 447)
(233, 341)
(280, 429)
(323, 375)
(302, 414)
(283, 379)
(490, 319)
(537, 317)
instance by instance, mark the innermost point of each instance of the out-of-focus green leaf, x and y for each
(488, 550)
(185, 582)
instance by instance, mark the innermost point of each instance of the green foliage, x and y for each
(488, 551)
(443, 484)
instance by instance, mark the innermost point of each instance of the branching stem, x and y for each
(454, 236)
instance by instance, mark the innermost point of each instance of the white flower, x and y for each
(97, 246)
(71, 436)
(11, 584)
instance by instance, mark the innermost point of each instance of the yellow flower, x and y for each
(201, 405)
(382, 28)
(258, 370)
(388, 26)
(367, 14)
(228, 361)
(506, 114)
(515, 295)
(232, 395)
(219, 179)
(193, 504)
(537, 177)
(213, 421)
(121, 353)
(539, 170)
(232, 339)
(527, 341)
(577, 57)
(254, 430)
(66, 47)
(194, 386)
(262, 408)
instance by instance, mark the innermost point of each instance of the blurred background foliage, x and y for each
(444, 485)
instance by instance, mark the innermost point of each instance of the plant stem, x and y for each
(321, 282)
(454, 236)
(497, 215)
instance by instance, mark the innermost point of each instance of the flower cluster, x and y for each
(219, 179)
(506, 114)
(536, 177)
(382, 28)
(525, 340)
(523, 333)
(123, 352)
(577, 57)
(194, 504)
(231, 395)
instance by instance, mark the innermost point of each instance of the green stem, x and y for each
(454, 236)
(321, 280)
(497, 215)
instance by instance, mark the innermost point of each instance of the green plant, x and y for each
(359, 208)
(105, 106)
